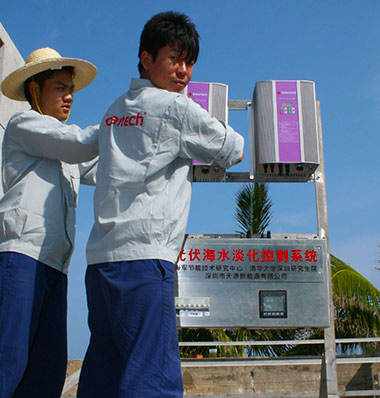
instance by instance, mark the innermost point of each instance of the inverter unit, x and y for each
(284, 132)
(211, 96)
(214, 98)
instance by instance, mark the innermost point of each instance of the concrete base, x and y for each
(268, 378)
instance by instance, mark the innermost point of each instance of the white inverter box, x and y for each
(213, 97)
(284, 131)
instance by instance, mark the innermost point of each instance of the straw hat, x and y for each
(45, 59)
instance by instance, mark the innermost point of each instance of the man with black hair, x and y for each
(148, 139)
(40, 177)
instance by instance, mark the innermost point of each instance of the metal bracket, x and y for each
(239, 105)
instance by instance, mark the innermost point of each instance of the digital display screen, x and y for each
(273, 304)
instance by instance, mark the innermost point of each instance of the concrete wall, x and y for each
(274, 380)
(10, 60)
(220, 379)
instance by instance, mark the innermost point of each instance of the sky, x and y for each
(335, 43)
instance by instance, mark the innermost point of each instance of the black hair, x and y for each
(169, 28)
(40, 79)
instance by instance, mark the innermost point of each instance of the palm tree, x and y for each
(253, 211)
(357, 304)
(357, 311)
(253, 214)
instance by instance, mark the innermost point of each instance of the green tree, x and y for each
(253, 208)
(357, 305)
(254, 214)
(357, 309)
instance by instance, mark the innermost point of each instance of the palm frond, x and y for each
(352, 287)
(253, 211)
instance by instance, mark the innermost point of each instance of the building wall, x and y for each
(10, 60)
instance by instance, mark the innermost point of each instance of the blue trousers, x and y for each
(33, 342)
(133, 350)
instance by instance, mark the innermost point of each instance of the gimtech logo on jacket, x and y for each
(134, 120)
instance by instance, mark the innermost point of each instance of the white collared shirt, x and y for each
(41, 182)
(147, 141)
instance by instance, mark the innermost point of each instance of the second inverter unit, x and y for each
(284, 131)
(213, 97)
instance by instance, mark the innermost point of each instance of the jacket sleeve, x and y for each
(44, 136)
(87, 171)
(207, 139)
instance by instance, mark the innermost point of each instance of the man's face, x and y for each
(56, 97)
(168, 71)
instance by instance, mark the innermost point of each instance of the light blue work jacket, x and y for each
(148, 139)
(40, 180)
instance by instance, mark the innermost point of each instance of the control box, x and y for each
(214, 98)
(284, 131)
(225, 281)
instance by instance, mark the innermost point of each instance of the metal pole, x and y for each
(329, 381)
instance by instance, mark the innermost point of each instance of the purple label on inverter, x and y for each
(199, 93)
(288, 121)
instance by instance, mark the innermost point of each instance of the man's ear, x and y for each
(146, 60)
(34, 90)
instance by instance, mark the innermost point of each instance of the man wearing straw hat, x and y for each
(40, 177)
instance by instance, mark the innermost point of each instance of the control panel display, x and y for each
(273, 304)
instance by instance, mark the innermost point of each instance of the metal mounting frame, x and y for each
(329, 383)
